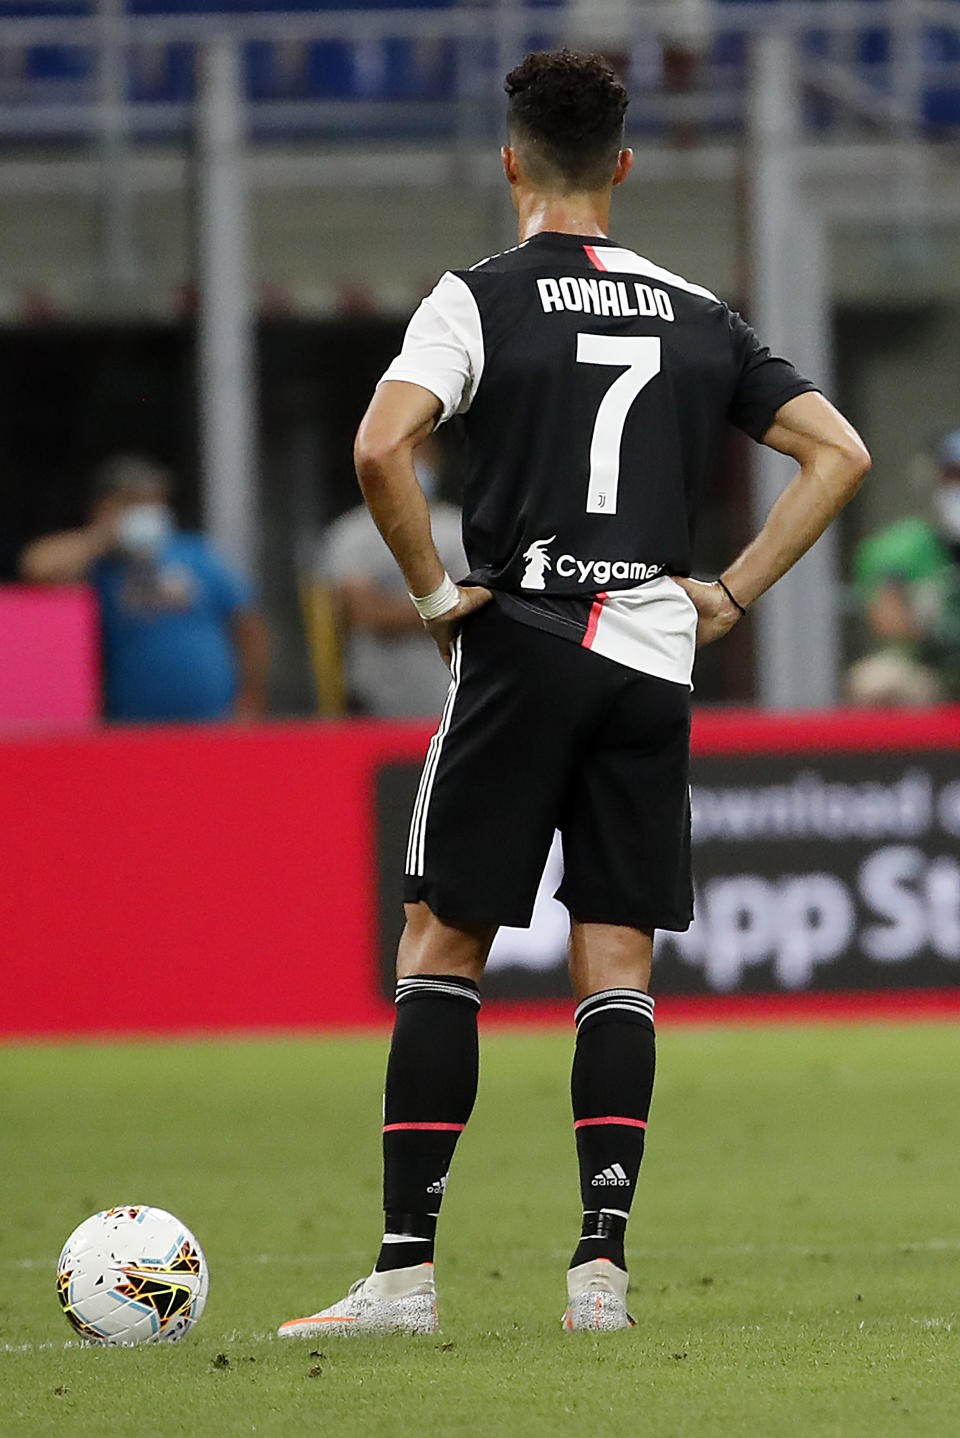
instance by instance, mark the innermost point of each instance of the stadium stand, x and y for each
(392, 79)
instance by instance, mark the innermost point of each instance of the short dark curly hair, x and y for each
(566, 111)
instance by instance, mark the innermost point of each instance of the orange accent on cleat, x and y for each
(401, 1301)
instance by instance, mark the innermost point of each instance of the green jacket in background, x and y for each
(911, 553)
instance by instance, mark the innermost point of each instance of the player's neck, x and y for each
(584, 214)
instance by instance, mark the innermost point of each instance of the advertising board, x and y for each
(813, 872)
(246, 878)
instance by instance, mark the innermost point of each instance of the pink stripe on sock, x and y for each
(627, 1122)
(425, 1127)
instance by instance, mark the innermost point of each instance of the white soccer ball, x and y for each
(132, 1275)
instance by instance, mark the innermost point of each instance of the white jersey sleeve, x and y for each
(443, 347)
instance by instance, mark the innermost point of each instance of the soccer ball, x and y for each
(132, 1275)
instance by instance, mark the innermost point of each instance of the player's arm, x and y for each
(833, 460)
(401, 414)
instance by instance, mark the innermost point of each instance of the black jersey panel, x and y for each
(764, 384)
(606, 388)
(564, 615)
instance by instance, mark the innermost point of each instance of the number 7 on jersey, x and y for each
(641, 356)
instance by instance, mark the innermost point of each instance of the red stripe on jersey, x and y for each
(594, 258)
(593, 620)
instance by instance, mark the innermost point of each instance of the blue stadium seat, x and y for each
(57, 62)
(28, 9)
(942, 103)
(247, 7)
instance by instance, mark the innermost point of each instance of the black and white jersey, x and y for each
(595, 389)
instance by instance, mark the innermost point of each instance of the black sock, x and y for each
(430, 1091)
(611, 1086)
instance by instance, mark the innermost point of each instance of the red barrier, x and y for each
(178, 880)
(182, 880)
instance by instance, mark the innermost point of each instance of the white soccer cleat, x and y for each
(401, 1301)
(597, 1294)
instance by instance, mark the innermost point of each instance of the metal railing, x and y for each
(865, 65)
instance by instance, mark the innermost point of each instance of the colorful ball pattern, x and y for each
(133, 1274)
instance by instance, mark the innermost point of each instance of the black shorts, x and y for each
(539, 734)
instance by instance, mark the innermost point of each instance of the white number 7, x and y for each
(641, 356)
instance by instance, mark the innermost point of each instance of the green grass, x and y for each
(795, 1247)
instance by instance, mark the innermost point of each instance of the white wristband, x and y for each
(444, 598)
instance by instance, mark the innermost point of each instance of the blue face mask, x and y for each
(144, 529)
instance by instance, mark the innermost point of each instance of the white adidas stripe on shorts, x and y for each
(416, 841)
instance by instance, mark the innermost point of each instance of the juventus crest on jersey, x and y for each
(595, 388)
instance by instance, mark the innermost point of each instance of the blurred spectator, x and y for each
(612, 29)
(391, 664)
(181, 640)
(908, 576)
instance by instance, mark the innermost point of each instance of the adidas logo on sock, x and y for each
(613, 1177)
(440, 1186)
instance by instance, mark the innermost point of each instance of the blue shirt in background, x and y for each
(167, 648)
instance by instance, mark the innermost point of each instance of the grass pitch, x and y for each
(795, 1247)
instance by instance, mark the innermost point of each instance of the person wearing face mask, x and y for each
(391, 666)
(908, 577)
(181, 638)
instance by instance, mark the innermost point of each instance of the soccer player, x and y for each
(594, 387)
